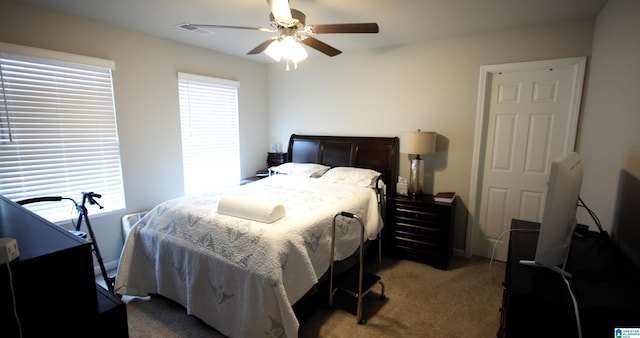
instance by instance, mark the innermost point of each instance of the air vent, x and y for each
(193, 29)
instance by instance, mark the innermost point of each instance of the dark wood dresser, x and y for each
(52, 282)
(537, 301)
(420, 229)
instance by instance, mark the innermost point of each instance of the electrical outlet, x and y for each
(8, 250)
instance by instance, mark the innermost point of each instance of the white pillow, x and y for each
(249, 208)
(351, 175)
(301, 169)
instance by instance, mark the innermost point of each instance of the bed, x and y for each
(239, 266)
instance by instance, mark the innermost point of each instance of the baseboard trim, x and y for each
(109, 266)
(458, 252)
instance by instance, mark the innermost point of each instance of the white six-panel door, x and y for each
(530, 118)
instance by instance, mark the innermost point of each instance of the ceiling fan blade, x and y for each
(233, 27)
(261, 47)
(320, 46)
(281, 11)
(370, 27)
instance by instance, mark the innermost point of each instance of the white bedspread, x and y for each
(241, 276)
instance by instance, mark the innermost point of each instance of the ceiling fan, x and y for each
(291, 29)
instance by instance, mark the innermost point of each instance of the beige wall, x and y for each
(431, 86)
(146, 92)
(610, 138)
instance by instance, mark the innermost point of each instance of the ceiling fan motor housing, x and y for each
(299, 20)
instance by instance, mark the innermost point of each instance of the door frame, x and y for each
(482, 113)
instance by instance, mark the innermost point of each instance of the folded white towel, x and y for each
(253, 209)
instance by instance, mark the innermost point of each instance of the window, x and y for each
(209, 125)
(58, 133)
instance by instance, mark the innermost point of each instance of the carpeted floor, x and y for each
(421, 302)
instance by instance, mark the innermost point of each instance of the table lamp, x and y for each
(417, 143)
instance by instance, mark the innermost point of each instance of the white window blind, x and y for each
(58, 134)
(209, 125)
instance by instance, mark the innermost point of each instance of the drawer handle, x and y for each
(418, 212)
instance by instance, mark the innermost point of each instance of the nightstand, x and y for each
(420, 229)
(274, 159)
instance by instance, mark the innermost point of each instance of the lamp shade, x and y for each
(418, 142)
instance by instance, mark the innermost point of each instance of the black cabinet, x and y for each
(111, 320)
(537, 301)
(420, 229)
(52, 282)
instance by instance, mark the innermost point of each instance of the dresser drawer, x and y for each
(412, 245)
(427, 212)
(421, 218)
(422, 233)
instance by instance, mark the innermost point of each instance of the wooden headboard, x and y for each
(377, 153)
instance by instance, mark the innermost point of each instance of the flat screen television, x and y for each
(559, 216)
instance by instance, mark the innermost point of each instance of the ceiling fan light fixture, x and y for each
(274, 50)
(288, 48)
(292, 50)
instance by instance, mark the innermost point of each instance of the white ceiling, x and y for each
(401, 21)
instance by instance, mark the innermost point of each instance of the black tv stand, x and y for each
(50, 289)
(537, 303)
